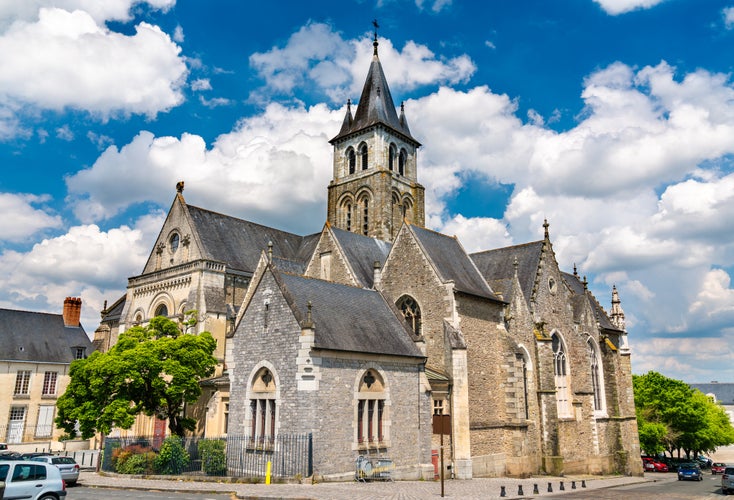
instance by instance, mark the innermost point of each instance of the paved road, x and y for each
(91, 493)
(665, 487)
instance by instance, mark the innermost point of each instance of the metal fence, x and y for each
(290, 455)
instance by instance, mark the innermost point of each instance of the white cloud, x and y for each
(108, 10)
(433, 5)
(201, 84)
(84, 262)
(272, 167)
(615, 7)
(318, 58)
(86, 66)
(728, 14)
(21, 217)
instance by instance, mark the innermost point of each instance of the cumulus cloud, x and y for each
(319, 59)
(272, 167)
(85, 261)
(728, 14)
(22, 217)
(109, 10)
(616, 7)
(65, 59)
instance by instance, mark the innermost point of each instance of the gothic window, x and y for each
(401, 162)
(596, 378)
(161, 310)
(351, 160)
(365, 216)
(371, 421)
(560, 368)
(174, 242)
(263, 407)
(524, 362)
(349, 217)
(391, 156)
(411, 311)
(363, 156)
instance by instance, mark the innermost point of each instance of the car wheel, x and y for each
(48, 497)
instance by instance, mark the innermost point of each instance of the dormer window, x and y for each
(80, 352)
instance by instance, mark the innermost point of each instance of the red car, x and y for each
(718, 468)
(652, 465)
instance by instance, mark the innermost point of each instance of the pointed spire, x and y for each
(347, 123)
(376, 105)
(617, 314)
(403, 119)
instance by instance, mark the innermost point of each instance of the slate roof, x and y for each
(362, 252)
(39, 337)
(724, 391)
(348, 318)
(577, 287)
(238, 243)
(114, 312)
(498, 264)
(452, 263)
(375, 106)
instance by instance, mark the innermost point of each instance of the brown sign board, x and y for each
(442, 424)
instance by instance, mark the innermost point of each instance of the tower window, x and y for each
(352, 160)
(363, 155)
(391, 157)
(401, 162)
(366, 217)
(349, 216)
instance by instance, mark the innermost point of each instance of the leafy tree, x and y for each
(672, 416)
(153, 369)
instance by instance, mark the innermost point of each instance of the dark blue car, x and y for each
(689, 471)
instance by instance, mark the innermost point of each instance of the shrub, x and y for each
(141, 463)
(172, 458)
(121, 457)
(213, 457)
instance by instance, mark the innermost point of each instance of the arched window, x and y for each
(401, 162)
(596, 378)
(371, 421)
(393, 152)
(349, 217)
(263, 407)
(411, 311)
(526, 402)
(351, 160)
(161, 310)
(365, 216)
(174, 241)
(560, 368)
(363, 156)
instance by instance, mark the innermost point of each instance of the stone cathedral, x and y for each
(362, 332)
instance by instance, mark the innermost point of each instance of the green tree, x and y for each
(153, 369)
(672, 416)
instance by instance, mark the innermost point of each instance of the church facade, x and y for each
(361, 333)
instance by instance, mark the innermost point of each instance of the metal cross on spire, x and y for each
(374, 43)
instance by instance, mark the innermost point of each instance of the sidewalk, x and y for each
(482, 488)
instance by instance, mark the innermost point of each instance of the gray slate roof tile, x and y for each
(348, 318)
(39, 337)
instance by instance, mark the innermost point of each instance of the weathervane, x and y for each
(374, 44)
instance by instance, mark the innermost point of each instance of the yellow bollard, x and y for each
(267, 472)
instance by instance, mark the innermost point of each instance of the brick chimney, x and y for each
(72, 311)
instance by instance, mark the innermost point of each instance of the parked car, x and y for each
(727, 480)
(718, 468)
(32, 480)
(654, 466)
(690, 471)
(704, 462)
(10, 455)
(68, 467)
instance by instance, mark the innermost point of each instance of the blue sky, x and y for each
(613, 119)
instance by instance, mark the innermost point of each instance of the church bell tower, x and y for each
(375, 181)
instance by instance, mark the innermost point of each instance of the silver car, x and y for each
(32, 480)
(727, 480)
(68, 467)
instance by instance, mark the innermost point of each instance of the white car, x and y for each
(32, 480)
(68, 467)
